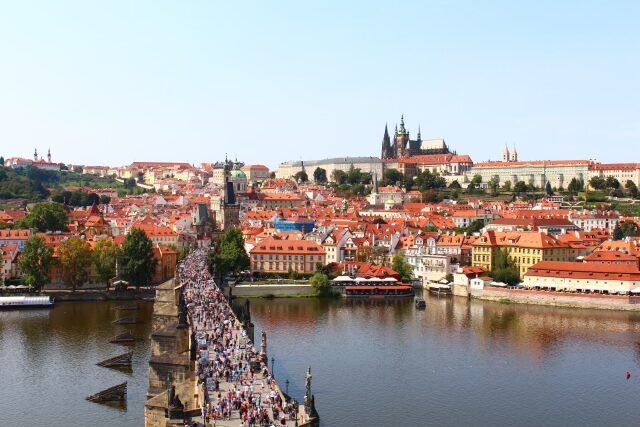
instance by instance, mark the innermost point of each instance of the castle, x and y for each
(403, 146)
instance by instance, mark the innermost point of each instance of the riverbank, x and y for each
(558, 299)
(274, 291)
(146, 293)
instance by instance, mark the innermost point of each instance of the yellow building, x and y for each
(525, 248)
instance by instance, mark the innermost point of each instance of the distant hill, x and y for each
(33, 183)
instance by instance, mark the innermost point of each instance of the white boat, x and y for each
(25, 302)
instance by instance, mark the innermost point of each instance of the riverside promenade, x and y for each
(234, 386)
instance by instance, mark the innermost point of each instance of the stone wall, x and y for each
(561, 299)
(271, 290)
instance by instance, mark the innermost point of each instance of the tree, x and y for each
(494, 184)
(105, 200)
(548, 189)
(520, 187)
(617, 233)
(629, 229)
(354, 176)
(138, 263)
(402, 267)
(74, 255)
(320, 175)
(34, 262)
(392, 176)
(475, 181)
(506, 186)
(105, 254)
(320, 283)
(231, 256)
(339, 177)
(455, 185)
(611, 182)
(632, 188)
(47, 216)
(597, 183)
(92, 199)
(272, 175)
(475, 226)
(301, 176)
(427, 180)
(505, 269)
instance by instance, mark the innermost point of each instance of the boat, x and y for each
(438, 288)
(14, 302)
(421, 303)
(379, 291)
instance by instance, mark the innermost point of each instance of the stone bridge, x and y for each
(172, 368)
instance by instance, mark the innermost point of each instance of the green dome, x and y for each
(238, 174)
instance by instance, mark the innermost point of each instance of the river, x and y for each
(374, 363)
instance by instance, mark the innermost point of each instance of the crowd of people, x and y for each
(235, 381)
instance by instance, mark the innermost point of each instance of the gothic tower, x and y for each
(49, 155)
(401, 140)
(505, 154)
(35, 155)
(514, 154)
(386, 145)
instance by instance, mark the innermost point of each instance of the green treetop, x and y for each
(137, 258)
(34, 262)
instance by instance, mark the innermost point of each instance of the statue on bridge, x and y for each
(263, 347)
(175, 407)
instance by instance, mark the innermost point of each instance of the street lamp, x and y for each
(286, 388)
(272, 373)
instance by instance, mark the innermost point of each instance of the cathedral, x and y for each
(403, 146)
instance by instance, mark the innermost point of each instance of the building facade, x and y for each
(273, 255)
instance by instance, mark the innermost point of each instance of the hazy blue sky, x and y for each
(110, 82)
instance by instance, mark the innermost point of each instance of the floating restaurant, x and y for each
(371, 287)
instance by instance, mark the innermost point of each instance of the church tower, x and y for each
(401, 140)
(49, 155)
(514, 154)
(505, 154)
(35, 155)
(386, 145)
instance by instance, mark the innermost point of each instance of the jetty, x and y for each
(200, 349)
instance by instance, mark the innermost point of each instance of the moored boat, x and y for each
(379, 291)
(438, 288)
(14, 302)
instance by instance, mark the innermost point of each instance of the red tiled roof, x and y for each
(583, 270)
(532, 163)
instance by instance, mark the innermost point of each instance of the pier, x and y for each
(205, 369)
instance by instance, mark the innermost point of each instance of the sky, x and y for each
(111, 82)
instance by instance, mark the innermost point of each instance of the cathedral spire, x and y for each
(419, 135)
(35, 155)
(402, 130)
(386, 143)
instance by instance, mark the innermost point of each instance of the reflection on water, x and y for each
(374, 362)
(459, 362)
(48, 365)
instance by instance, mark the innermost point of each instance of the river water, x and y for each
(374, 363)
